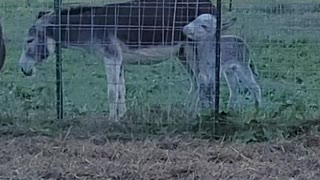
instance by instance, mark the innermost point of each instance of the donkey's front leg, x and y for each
(113, 61)
(113, 80)
(122, 93)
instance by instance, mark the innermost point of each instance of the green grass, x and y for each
(285, 45)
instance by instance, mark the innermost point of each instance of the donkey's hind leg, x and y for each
(113, 62)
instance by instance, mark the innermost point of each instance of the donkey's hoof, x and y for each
(114, 118)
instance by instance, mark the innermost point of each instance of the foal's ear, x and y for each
(42, 13)
(226, 25)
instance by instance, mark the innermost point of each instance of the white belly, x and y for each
(148, 56)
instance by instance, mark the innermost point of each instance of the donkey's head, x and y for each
(38, 44)
(204, 27)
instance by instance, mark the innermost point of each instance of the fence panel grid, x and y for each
(120, 61)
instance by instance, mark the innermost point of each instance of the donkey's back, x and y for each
(234, 47)
(138, 24)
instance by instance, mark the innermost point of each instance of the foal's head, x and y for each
(204, 27)
(38, 44)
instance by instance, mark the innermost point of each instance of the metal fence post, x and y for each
(59, 87)
(217, 66)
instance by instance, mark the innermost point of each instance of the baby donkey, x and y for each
(234, 63)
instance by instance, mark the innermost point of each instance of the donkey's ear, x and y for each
(42, 13)
(227, 24)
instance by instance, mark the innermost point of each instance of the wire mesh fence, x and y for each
(283, 40)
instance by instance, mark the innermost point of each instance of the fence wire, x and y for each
(283, 37)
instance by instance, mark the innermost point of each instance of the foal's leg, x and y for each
(246, 75)
(253, 68)
(233, 85)
(206, 83)
(206, 91)
(113, 61)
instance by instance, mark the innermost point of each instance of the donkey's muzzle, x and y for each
(29, 73)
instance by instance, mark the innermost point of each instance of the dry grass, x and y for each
(97, 158)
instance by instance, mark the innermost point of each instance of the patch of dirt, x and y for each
(28, 158)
